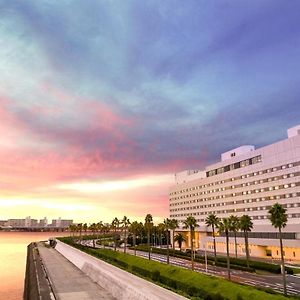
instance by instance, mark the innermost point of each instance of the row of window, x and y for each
(270, 170)
(257, 182)
(249, 192)
(235, 210)
(237, 165)
(253, 200)
(264, 235)
(260, 217)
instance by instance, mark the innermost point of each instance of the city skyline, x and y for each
(102, 102)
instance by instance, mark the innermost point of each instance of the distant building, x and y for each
(245, 181)
(43, 222)
(61, 223)
(34, 223)
(16, 222)
(3, 223)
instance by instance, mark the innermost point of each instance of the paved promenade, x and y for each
(68, 282)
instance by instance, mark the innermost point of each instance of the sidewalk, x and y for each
(68, 282)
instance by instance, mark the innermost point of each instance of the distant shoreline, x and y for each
(35, 230)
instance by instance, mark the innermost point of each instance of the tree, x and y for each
(278, 218)
(85, 228)
(115, 224)
(148, 227)
(173, 226)
(93, 228)
(191, 223)
(212, 220)
(235, 226)
(224, 227)
(72, 229)
(179, 238)
(99, 228)
(168, 224)
(134, 229)
(125, 225)
(79, 228)
(160, 230)
(246, 225)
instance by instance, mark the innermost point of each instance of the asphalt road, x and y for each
(273, 281)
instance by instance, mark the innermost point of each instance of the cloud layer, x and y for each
(108, 91)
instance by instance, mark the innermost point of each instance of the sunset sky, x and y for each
(101, 102)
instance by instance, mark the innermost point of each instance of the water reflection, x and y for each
(13, 251)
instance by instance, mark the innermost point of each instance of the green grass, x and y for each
(186, 282)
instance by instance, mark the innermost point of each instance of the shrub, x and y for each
(141, 271)
(155, 275)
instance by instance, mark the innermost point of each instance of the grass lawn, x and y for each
(192, 284)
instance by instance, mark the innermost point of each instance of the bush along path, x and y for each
(186, 282)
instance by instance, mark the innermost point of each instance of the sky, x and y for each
(101, 102)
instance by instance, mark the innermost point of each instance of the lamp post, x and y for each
(205, 252)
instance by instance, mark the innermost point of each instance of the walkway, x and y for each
(68, 282)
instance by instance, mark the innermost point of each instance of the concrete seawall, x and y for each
(36, 284)
(120, 284)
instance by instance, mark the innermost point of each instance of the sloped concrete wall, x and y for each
(121, 284)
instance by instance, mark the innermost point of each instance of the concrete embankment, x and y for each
(36, 284)
(121, 284)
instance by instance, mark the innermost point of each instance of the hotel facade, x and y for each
(247, 181)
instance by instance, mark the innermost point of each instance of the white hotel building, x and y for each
(245, 181)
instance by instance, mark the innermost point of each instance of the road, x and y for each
(273, 281)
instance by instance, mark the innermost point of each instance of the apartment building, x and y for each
(245, 181)
(61, 223)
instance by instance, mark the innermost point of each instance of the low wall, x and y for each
(121, 284)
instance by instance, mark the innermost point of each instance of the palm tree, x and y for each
(278, 218)
(167, 223)
(93, 228)
(246, 225)
(235, 226)
(99, 228)
(115, 226)
(224, 226)
(79, 228)
(173, 226)
(72, 229)
(191, 224)
(179, 238)
(85, 228)
(125, 224)
(212, 220)
(160, 230)
(134, 229)
(148, 227)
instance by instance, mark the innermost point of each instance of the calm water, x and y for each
(13, 251)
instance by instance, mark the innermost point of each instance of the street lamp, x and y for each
(205, 253)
